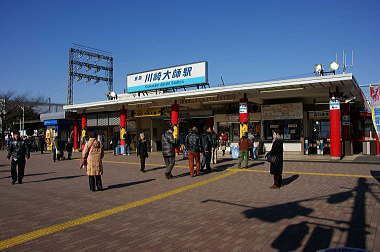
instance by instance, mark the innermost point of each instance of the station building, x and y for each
(323, 115)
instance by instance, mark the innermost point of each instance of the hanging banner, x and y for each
(375, 107)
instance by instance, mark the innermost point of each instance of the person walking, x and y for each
(193, 145)
(56, 150)
(275, 156)
(128, 141)
(251, 137)
(206, 143)
(214, 150)
(17, 152)
(142, 151)
(92, 156)
(41, 141)
(223, 142)
(114, 143)
(244, 145)
(168, 151)
(256, 144)
(69, 147)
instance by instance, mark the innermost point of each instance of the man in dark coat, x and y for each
(17, 152)
(193, 145)
(168, 151)
(42, 143)
(206, 142)
(142, 151)
(275, 156)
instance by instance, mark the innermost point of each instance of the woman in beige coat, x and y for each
(92, 156)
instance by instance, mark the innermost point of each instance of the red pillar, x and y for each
(243, 115)
(123, 126)
(84, 125)
(335, 129)
(175, 120)
(75, 136)
(377, 146)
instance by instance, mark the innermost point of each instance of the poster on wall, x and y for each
(284, 111)
(375, 107)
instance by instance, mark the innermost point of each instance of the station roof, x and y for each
(312, 87)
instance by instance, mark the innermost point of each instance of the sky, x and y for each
(243, 41)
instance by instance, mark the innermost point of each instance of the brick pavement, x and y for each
(236, 213)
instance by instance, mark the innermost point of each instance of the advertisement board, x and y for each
(375, 107)
(175, 76)
(282, 111)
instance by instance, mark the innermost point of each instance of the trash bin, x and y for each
(235, 152)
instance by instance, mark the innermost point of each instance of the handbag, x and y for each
(271, 159)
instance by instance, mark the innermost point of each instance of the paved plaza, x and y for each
(323, 204)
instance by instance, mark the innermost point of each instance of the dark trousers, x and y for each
(92, 180)
(142, 163)
(20, 166)
(277, 180)
(206, 160)
(196, 156)
(169, 163)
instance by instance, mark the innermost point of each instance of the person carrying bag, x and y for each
(275, 157)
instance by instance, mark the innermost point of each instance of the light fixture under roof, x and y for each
(318, 68)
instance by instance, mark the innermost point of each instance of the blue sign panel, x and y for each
(51, 122)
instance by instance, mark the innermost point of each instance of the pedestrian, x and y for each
(41, 141)
(114, 142)
(206, 143)
(128, 141)
(275, 156)
(193, 146)
(92, 156)
(256, 144)
(251, 137)
(69, 147)
(244, 145)
(56, 149)
(214, 144)
(142, 151)
(223, 142)
(168, 151)
(18, 151)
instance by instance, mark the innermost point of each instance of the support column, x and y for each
(335, 129)
(346, 129)
(243, 115)
(377, 146)
(75, 140)
(175, 120)
(123, 126)
(83, 135)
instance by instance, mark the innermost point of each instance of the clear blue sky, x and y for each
(244, 41)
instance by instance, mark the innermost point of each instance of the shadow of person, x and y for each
(181, 175)
(128, 184)
(339, 197)
(376, 175)
(291, 238)
(278, 212)
(255, 164)
(56, 178)
(289, 180)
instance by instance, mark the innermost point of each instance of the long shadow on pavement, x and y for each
(56, 178)
(321, 234)
(291, 179)
(376, 175)
(33, 174)
(128, 184)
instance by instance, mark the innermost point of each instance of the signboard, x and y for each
(282, 111)
(51, 122)
(334, 105)
(319, 115)
(147, 112)
(375, 107)
(346, 120)
(243, 108)
(176, 76)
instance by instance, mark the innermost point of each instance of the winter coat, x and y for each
(168, 144)
(18, 150)
(245, 144)
(277, 151)
(142, 148)
(93, 153)
(214, 140)
(206, 142)
(193, 142)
